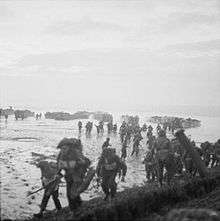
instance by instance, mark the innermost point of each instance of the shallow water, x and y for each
(23, 142)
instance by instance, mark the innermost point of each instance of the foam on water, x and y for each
(24, 142)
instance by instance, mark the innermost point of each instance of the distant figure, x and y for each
(101, 127)
(6, 117)
(150, 166)
(136, 143)
(124, 150)
(48, 174)
(89, 126)
(97, 129)
(144, 127)
(151, 141)
(150, 131)
(106, 144)
(80, 126)
(158, 128)
(110, 127)
(115, 128)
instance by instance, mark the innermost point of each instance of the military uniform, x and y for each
(75, 165)
(164, 157)
(48, 174)
(150, 166)
(108, 166)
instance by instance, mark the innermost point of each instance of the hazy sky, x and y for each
(109, 54)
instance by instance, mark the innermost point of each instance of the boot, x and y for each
(38, 215)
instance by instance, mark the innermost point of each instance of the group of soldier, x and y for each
(111, 128)
(171, 155)
(89, 126)
(162, 155)
(38, 116)
(78, 173)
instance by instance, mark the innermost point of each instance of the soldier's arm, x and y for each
(122, 167)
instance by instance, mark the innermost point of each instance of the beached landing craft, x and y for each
(8, 111)
(22, 114)
(98, 115)
(176, 122)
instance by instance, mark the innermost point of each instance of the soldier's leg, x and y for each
(44, 201)
(113, 185)
(56, 200)
(124, 171)
(105, 186)
(153, 173)
(133, 151)
(76, 199)
(147, 172)
(68, 192)
(43, 205)
(160, 168)
(137, 150)
(170, 168)
(122, 154)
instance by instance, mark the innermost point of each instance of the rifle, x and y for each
(52, 183)
(31, 193)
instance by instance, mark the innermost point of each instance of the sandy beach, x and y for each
(25, 142)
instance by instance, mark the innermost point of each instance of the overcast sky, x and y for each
(109, 54)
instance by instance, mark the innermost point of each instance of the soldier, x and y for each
(189, 164)
(150, 131)
(216, 154)
(124, 150)
(144, 127)
(150, 166)
(206, 152)
(75, 165)
(136, 143)
(88, 128)
(110, 127)
(97, 129)
(115, 128)
(158, 128)
(48, 174)
(122, 131)
(80, 126)
(178, 155)
(106, 144)
(164, 157)
(151, 141)
(101, 126)
(108, 166)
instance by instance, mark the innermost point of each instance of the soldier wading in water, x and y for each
(78, 173)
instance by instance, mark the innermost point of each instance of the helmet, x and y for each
(162, 133)
(71, 142)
